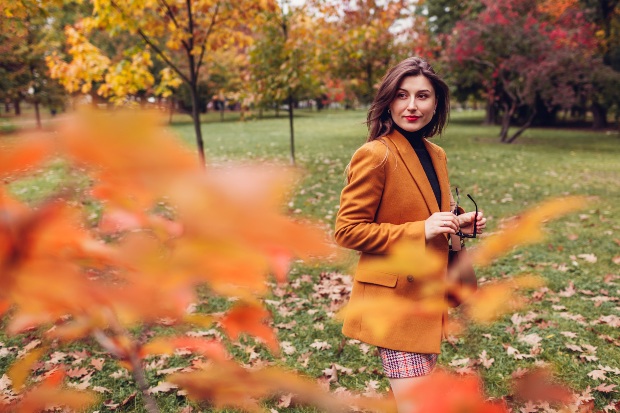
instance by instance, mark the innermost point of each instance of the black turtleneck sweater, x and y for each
(415, 139)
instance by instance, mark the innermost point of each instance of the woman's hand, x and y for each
(466, 222)
(440, 223)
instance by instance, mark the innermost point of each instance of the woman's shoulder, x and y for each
(435, 147)
(372, 154)
(376, 146)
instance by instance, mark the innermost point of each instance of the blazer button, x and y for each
(410, 278)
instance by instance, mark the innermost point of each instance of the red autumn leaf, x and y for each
(250, 319)
(539, 385)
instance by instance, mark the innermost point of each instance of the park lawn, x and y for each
(571, 325)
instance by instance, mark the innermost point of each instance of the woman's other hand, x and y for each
(440, 223)
(466, 222)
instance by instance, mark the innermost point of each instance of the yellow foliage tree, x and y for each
(183, 34)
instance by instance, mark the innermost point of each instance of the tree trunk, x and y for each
(18, 110)
(171, 110)
(290, 121)
(7, 106)
(222, 108)
(503, 133)
(522, 129)
(489, 117)
(509, 111)
(277, 111)
(37, 114)
(599, 116)
(196, 118)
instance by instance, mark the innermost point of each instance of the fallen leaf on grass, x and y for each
(163, 387)
(77, 372)
(591, 258)
(605, 388)
(485, 360)
(97, 363)
(597, 374)
(321, 345)
(616, 259)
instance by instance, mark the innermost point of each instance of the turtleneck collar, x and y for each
(414, 138)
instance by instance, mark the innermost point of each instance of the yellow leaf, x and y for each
(525, 229)
(201, 320)
(19, 371)
(408, 258)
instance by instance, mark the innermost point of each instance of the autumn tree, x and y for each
(284, 61)
(529, 61)
(443, 15)
(183, 34)
(26, 33)
(606, 15)
(362, 40)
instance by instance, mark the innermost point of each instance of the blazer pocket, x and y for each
(375, 277)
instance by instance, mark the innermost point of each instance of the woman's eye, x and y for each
(422, 96)
(402, 95)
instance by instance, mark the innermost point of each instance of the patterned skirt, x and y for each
(400, 364)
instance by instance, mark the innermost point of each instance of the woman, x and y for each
(398, 190)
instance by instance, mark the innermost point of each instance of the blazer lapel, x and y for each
(441, 169)
(411, 161)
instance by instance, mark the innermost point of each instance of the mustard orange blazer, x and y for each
(387, 199)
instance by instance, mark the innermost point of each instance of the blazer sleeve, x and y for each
(360, 199)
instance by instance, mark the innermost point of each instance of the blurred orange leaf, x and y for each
(491, 301)
(443, 392)
(25, 152)
(230, 385)
(211, 349)
(48, 395)
(250, 318)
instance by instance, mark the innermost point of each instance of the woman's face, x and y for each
(414, 104)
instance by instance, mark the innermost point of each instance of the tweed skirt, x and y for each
(401, 364)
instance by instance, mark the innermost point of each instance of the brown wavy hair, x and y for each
(379, 120)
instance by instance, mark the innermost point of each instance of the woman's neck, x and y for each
(415, 138)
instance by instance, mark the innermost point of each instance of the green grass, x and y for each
(504, 179)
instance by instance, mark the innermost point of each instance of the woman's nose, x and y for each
(412, 104)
